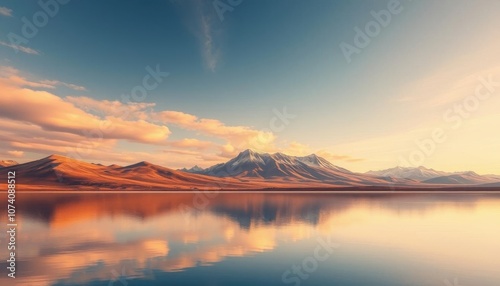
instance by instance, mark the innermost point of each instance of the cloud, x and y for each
(182, 152)
(333, 157)
(239, 136)
(203, 24)
(228, 151)
(19, 48)
(55, 83)
(297, 149)
(53, 113)
(4, 11)
(31, 138)
(131, 110)
(191, 143)
(210, 53)
(37, 121)
(16, 153)
(16, 79)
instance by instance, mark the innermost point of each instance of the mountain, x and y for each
(196, 169)
(466, 178)
(7, 163)
(431, 176)
(419, 174)
(249, 170)
(58, 172)
(278, 166)
(495, 177)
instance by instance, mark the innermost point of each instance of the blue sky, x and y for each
(366, 113)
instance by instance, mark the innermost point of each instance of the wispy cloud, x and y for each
(55, 83)
(16, 78)
(25, 50)
(210, 53)
(4, 11)
(204, 25)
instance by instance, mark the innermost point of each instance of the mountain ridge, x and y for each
(250, 164)
(431, 176)
(248, 170)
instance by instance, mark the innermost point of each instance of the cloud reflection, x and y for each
(92, 237)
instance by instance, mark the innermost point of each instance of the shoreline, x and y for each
(351, 190)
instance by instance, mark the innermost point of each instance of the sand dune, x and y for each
(59, 173)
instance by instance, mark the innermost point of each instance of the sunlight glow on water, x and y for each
(253, 239)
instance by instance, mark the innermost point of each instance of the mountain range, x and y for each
(248, 170)
(431, 176)
(252, 165)
(416, 173)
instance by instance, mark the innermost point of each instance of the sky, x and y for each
(367, 85)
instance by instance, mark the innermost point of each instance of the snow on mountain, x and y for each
(465, 178)
(431, 176)
(248, 170)
(419, 173)
(251, 164)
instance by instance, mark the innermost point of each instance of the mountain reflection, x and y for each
(73, 239)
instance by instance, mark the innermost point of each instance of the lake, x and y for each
(256, 239)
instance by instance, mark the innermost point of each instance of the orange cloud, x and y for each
(191, 143)
(55, 83)
(15, 78)
(53, 113)
(240, 137)
(333, 157)
(16, 153)
(131, 110)
(35, 120)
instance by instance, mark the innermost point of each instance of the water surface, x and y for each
(257, 239)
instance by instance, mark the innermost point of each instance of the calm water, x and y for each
(257, 239)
